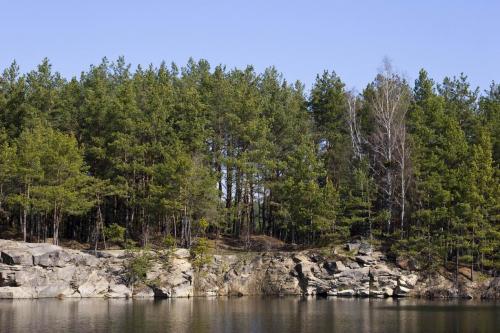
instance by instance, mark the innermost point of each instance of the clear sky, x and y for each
(301, 38)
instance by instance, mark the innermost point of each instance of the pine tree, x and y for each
(490, 117)
(63, 188)
(327, 103)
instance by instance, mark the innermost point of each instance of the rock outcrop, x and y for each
(493, 291)
(37, 270)
(29, 270)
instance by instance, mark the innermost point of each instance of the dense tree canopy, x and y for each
(194, 150)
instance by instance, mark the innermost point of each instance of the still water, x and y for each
(248, 314)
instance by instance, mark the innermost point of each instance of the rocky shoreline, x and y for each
(38, 270)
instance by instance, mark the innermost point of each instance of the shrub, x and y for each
(138, 267)
(129, 244)
(115, 233)
(200, 253)
(203, 223)
(169, 242)
(165, 256)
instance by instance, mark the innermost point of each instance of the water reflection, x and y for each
(247, 314)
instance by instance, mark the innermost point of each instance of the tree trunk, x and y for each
(55, 237)
(25, 214)
(456, 267)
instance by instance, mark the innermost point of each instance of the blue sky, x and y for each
(301, 38)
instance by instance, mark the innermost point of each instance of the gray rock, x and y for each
(377, 293)
(94, 286)
(346, 293)
(280, 278)
(331, 292)
(87, 260)
(120, 254)
(69, 273)
(388, 291)
(47, 257)
(118, 291)
(407, 263)
(408, 281)
(143, 292)
(401, 291)
(352, 247)
(182, 254)
(352, 265)
(363, 292)
(176, 281)
(365, 249)
(54, 290)
(66, 273)
(16, 257)
(300, 257)
(335, 266)
(16, 292)
(366, 260)
(493, 291)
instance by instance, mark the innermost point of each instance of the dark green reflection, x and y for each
(248, 314)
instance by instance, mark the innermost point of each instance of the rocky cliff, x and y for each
(33, 270)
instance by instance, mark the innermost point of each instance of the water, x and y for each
(248, 314)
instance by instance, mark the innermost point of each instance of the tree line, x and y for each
(169, 151)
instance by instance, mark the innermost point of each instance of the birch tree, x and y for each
(389, 101)
(353, 124)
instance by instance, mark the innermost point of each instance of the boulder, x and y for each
(56, 289)
(175, 289)
(352, 265)
(352, 247)
(388, 291)
(120, 254)
(401, 291)
(66, 273)
(363, 292)
(377, 293)
(278, 279)
(346, 293)
(365, 249)
(143, 291)
(176, 280)
(300, 257)
(408, 264)
(182, 254)
(50, 256)
(16, 292)
(10, 277)
(16, 257)
(118, 291)
(331, 292)
(335, 266)
(366, 260)
(493, 291)
(87, 260)
(408, 281)
(94, 286)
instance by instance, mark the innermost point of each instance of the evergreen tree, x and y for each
(327, 103)
(490, 116)
(194, 151)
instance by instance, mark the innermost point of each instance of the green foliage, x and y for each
(358, 215)
(197, 151)
(200, 253)
(327, 103)
(138, 267)
(203, 224)
(166, 255)
(169, 242)
(114, 233)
